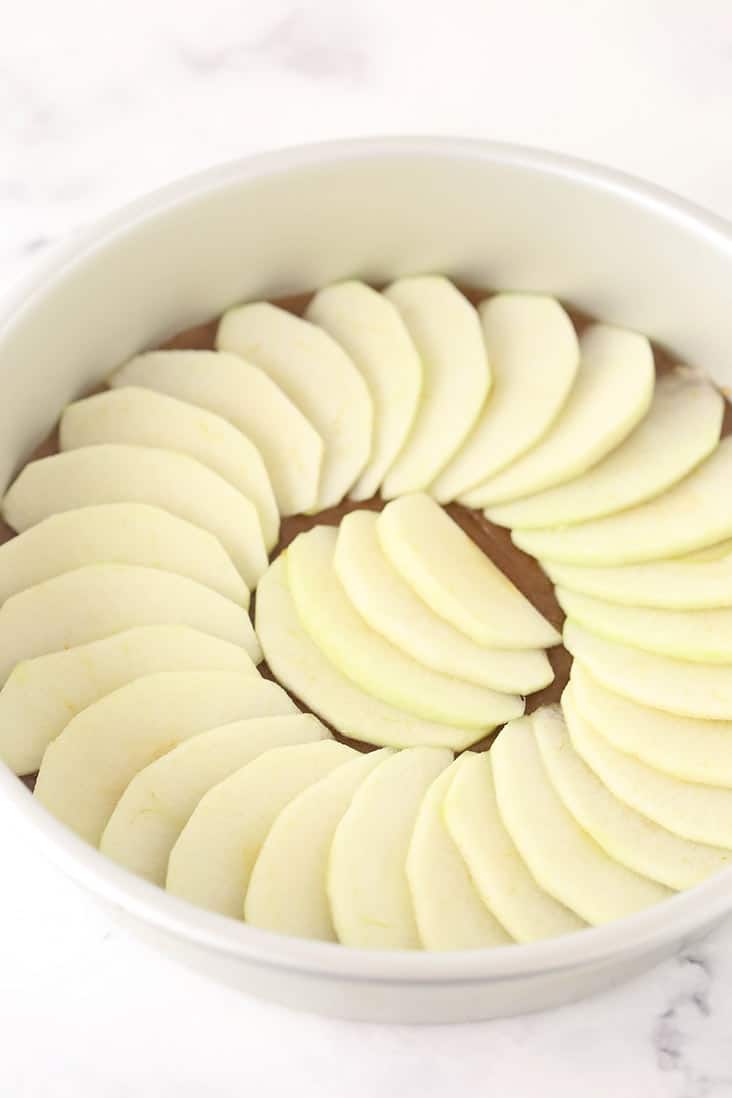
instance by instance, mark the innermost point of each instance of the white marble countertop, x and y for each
(99, 103)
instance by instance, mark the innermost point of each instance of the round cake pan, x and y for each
(487, 215)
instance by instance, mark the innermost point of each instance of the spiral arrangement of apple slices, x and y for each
(128, 658)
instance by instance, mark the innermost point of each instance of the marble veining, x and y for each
(98, 104)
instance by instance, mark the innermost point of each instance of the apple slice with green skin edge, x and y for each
(699, 636)
(371, 662)
(368, 890)
(118, 533)
(87, 768)
(390, 606)
(680, 584)
(291, 448)
(449, 911)
(211, 863)
(495, 865)
(456, 580)
(675, 686)
(318, 377)
(692, 514)
(456, 378)
(101, 599)
(43, 694)
(691, 749)
(157, 804)
(560, 854)
(681, 429)
(301, 667)
(702, 813)
(534, 355)
(625, 834)
(612, 392)
(368, 326)
(287, 889)
(113, 473)
(141, 417)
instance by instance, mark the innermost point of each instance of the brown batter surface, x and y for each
(494, 541)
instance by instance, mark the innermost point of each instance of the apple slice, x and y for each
(681, 584)
(302, 668)
(694, 513)
(534, 355)
(100, 599)
(142, 417)
(676, 686)
(291, 448)
(681, 429)
(43, 694)
(370, 661)
(500, 874)
(560, 854)
(702, 813)
(701, 636)
(118, 533)
(211, 862)
(370, 903)
(390, 606)
(318, 377)
(87, 768)
(456, 378)
(287, 889)
(160, 799)
(368, 326)
(459, 582)
(449, 911)
(140, 474)
(684, 747)
(611, 394)
(623, 833)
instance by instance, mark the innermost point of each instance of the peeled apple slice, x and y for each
(291, 448)
(118, 533)
(369, 660)
(456, 378)
(211, 862)
(368, 888)
(304, 670)
(495, 865)
(287, 889)
(682, 584)
(318, 377)
(695, 512)
(681, 428)
(611, 394)
(676, 686)
(701, 636)
(702, 813)
(140, 474)
(43, 694)
(623, 833)
(159, 801)
(391, 607)
(534, 354)
(456, 580)
(101, 599)
(449, 911)
(684, 747)
(87, 768)
(560, 854)
(142, 417)
(369, 328)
